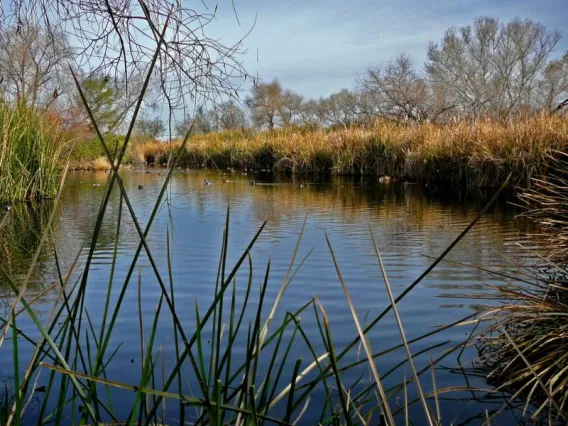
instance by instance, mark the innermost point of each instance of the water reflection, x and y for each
(21, 229)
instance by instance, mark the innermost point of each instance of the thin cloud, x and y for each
(317, 47)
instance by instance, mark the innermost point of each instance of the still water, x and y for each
(411, 224)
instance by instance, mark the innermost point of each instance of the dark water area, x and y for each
(411, 223)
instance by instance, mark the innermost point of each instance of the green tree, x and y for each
(108, 100)
(152, 128)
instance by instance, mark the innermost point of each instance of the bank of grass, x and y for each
(32, 149)
(478, 153)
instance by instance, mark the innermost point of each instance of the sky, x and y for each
(317, 47)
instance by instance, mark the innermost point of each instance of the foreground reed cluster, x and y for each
(470, 153)
(525, 351)
(31, 149)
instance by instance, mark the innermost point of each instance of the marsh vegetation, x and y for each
(233, 350)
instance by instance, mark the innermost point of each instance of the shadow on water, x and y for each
(411, 222)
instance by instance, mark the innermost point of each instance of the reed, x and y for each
(524, 351)
(31, 151)
(478, 153)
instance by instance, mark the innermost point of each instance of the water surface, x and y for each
(411, 224)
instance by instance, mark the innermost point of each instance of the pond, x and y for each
(412, 224)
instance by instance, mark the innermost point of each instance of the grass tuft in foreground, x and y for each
(525, 350)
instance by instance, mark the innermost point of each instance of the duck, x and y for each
(96, 184)
(8, 208)
(301, 186)
(252, 183)
(140, 187)
(244, 174)
(206, 182)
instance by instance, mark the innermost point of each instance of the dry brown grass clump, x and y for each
(526, 348)
(468, 153)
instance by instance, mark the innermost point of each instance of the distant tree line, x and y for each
(489, 68)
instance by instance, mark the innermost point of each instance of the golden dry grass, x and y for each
(473, 154)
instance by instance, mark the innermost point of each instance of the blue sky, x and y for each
(317, 47)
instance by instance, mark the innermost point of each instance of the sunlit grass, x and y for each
(31, 154)
(468, 153)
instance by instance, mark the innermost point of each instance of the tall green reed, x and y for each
(31, 147)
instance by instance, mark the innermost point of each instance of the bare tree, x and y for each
(491, 67)
(265, 103)
(31, 62)
(228, 115)
(553, 87)
(312, 112)
(341, 108)
(397, 91)
(290, 107)
(117, 38)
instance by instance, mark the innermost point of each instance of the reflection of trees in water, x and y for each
(20, 236)
(435, 213)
